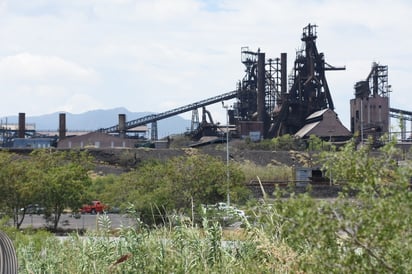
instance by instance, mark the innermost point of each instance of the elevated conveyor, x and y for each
(160, 116)
(403, 116)
(400, 114)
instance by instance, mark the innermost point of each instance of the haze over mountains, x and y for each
(95, 119)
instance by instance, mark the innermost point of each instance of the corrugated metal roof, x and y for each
(323, 123)
(317, 114)
(16, 126)
(208, 140)
(306, 129)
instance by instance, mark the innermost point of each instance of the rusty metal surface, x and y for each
(281, 110)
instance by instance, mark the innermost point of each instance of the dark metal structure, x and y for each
(402, 116)
(156, 117)
(270, 104)
(263, 94)
(264, 104)
(309, 91)
(11, 132)
(205, 127)
(370, 107)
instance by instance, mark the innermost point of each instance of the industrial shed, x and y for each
(31, 143)
(96, 140)
(326, 125)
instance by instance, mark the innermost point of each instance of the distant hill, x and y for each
(95, 119)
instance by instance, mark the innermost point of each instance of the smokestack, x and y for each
(261, 111)
(62, 126)
(22, 125)
(122, 125)
(283, 74)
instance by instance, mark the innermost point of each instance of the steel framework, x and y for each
(160, 116)
(262, 94)
(285, 111)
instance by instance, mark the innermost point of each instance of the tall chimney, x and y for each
(22, 125)
(62, 126)
(122, 125)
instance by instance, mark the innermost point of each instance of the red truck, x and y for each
(93, 208)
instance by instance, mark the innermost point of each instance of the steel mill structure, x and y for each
(264, 95)
(264, 104)
(270, 102)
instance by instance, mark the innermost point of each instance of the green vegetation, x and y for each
(60, 181)
(158, 189)
(270, 172)
(14, 183)
(288, 142)
(56, 180)
(367, 229)
(182, 249)
(285, 142)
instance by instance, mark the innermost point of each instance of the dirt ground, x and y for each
(120, 160)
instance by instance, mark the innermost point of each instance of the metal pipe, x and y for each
(283, 73)
(261, 87)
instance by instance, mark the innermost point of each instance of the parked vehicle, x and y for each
(33, 209)
(113, 209)
(228, 210)
(93, 208)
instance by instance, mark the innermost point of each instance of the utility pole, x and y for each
(226, 107)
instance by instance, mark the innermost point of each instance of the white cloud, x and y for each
(165, 11)
(40, 84)
(151, 55)
(78, 102)
(26, 67)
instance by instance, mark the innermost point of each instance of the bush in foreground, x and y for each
(369, 232)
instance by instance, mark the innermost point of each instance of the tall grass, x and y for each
(184, 248)
(295, 235)
(270, 172)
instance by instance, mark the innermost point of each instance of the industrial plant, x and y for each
(269, 102)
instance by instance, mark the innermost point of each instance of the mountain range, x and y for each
(95, 119)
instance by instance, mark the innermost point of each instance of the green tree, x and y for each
(158, 188)
(366, 169)
(315, 143)
(102, 188)
(373, 212)
(61, 180)
(16, 185)
(365, 230)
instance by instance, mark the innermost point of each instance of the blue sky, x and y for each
(80, 55)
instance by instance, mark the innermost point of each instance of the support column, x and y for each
(261, 110)
(154, 131)
(283, 74)
(122, 125)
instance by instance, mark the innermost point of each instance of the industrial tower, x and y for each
(263, 95)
